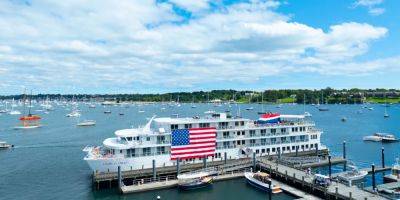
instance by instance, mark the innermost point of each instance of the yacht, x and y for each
(195, 180)
(381, 137)
(167, 140)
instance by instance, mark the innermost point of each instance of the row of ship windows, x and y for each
(266, 150)
(206, 125)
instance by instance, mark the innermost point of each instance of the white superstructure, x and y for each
(239, 137)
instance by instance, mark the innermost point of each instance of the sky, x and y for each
(158, 46)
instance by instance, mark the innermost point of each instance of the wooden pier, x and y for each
(298, 178)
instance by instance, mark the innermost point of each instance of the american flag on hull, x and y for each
(193, 143)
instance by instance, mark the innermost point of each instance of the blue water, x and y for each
(47, 162)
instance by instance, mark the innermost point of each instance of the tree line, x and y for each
(327, 95)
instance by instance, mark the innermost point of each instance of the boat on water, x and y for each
(74, 113)
(323, 109)
(4, 145)
(381, 137)
(249, 108)
(87, 123)
(164, 139)
(262, 181)
(29, 121)
(209, 112)
(344, 119)
(14, 112)
(307, 114)
(190, 181)
(354, 174)
(107, 112)
(395, 175)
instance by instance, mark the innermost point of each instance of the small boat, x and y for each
(250, 108)
(194, 180)
(92, 106)
(107, 112)
(262, 181)
(121, 114)
(87, 123)
(381, 137)
(141, 111)
(370, 108)
(344, 119)
(4, 145)
(323, 109)
(395, 175)
(209, 112)
(14, 112)
(74, 113)
(352, 175)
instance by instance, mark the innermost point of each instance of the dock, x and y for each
(300, 179)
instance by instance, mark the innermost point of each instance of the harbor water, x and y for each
(47, 163)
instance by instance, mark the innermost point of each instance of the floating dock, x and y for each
(299, 179)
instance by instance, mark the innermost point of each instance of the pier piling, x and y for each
(330, 166)
(383, 157)
(119, 177)
(373, 177)
(316, 149)
(177, 166)
(225, 157)
(297, 150)
(344, 149)
(154, 170)
(254, 161)
(204, 162)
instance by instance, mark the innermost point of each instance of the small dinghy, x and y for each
(352, 175)
(262, 181)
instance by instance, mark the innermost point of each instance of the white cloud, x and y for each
(52, 44)
(371, 5)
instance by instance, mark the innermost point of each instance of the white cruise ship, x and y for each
(166, 140)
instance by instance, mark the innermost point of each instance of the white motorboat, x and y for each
(87, 123)
(194, 180)
(381, 137)
(4, 145)
(352, 175)
(209, 112)
(262, 181)
(74, 113)
(307, 114)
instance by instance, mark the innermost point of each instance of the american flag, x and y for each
(193, 143)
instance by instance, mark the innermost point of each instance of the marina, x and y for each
(137, 181)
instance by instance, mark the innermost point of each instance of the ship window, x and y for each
(262, 150)
(236, 123)
(148, 138)
(257, 151)
(204, 125)
(120, 151)
(283, 148)
(146, 151)
(238, 133)
(242, 123)
(283, 130)
(129, 138)
(273, 149)
(252, 141)
(225, 134)
(312, 146)
(273, 131)
(174, 126)
(243, 133)
(293, 147)
(187, 126)
(252, 133)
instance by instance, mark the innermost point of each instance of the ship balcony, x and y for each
(148, 154)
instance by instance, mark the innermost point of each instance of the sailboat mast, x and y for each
(30, 104)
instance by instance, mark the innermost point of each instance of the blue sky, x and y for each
(134, 46)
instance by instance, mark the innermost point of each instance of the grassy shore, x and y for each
(382, 100)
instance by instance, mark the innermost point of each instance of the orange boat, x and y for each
(29, 121)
